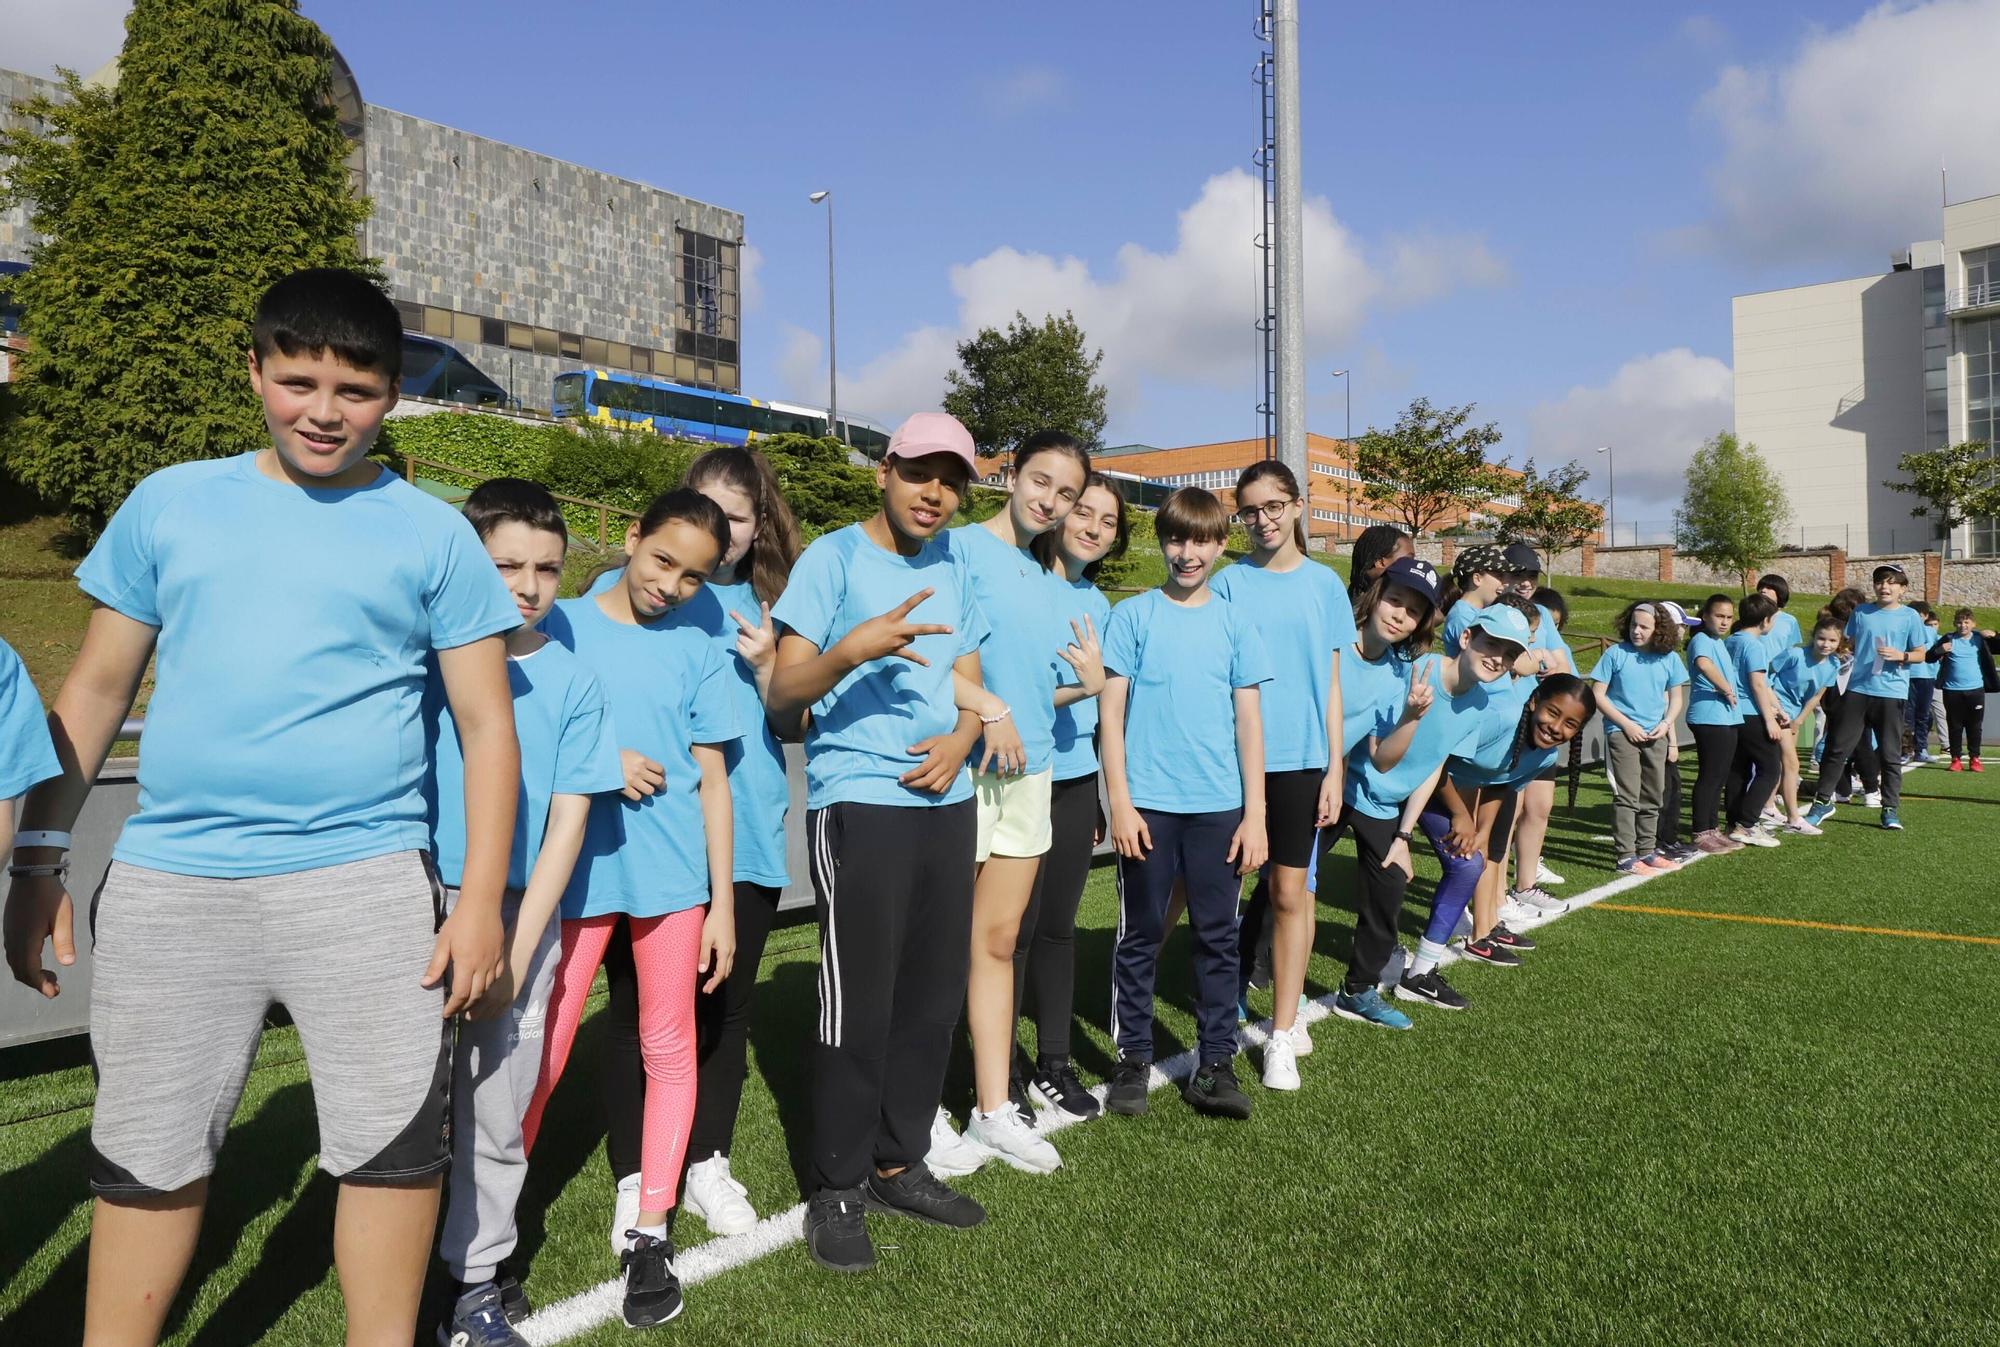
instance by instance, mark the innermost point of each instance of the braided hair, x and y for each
(1555, 685)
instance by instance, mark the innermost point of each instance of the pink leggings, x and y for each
(666, 951)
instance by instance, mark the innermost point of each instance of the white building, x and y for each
(1836, 382)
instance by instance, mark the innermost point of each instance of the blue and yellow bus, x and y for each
(611, 398)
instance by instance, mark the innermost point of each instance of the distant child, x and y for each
(1182, 740)
(878, 623)
(1715, 718)
(1888, 638)
(1968, 675)
(1784, 633)
(1755, 772)
(1669, 832)
(26, 754)
(661, 858)
(1865, 767)
(1801, 676)
(1641, 682)
(568, 754)
(295, 595)
(1919, 710)
(1378, 545)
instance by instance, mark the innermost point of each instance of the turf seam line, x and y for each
(604, 1303)
(1803, 925)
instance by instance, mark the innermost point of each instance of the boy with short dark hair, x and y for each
(295, 595)
(1888, 637)
(568, 754)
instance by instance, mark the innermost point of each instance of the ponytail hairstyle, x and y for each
(1047, 547)
(1555, 685)
(776, 545)
(682, 505)
(1754, 611)
(1288, 483)
(1377, 543)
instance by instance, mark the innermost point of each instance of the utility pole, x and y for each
(1291, 251)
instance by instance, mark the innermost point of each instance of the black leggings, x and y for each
(1379, 905)
(1716, 747)
(1753, 774)
(722, 1039)
(1964, 718)
(1045, 950)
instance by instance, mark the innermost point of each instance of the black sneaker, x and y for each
(1507, 939)
(1431, 989)
(918, 1193)
(836, 1231)
(1129, 1081)
(1060, 1088)
(1488, 951)
(1017, 1095)
(652, 1290)
(513, 1300)
(1682, 852)
(1213, 1090)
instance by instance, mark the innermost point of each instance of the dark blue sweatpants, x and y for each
(1193, 847)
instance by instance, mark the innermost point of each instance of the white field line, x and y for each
(602, 1304)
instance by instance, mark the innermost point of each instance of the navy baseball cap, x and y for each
(1414, 574)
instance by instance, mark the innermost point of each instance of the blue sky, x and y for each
(1542, 209)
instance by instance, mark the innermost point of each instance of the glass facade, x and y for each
(1979, 341)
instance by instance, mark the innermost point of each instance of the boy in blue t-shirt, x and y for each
(1919, 711)
(875, 621)
(568, 754)
(1182, 741)
(27, 755)
(1966, 672)
(1888, 637)
(295, 596)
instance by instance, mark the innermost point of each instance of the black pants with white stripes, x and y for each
(893, 886)
(1860, 714)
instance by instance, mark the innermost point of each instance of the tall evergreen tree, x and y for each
(213, 168)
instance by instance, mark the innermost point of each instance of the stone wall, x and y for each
(1975, 582)
(1629, 563)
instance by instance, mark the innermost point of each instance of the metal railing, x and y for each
(604, 512)
(1985, 295)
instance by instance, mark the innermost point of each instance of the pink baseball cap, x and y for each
(932, 433)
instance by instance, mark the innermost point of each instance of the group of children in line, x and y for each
(397, 786)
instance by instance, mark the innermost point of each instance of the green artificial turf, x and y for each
(1662, 1129)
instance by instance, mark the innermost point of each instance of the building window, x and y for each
(1981, 343)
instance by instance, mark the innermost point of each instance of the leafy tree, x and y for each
(215, 167)
(1430, 466)
(1033, 376)
(1732, 508)
(1553, 515)
(1955, 484)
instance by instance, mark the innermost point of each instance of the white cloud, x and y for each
(1027, 89)
(1654, 413)
(1703, 32)
(1183, 315)
(43, 34)
(1836, 149)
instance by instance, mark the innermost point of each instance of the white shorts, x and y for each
(1013, 813)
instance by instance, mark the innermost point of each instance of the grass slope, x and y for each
(1663, 1129)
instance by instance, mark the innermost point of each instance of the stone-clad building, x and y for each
(527, 264)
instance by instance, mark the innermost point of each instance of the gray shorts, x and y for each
(187, 967)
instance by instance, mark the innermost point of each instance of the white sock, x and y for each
(658, 1232)
(630, 1183)
(1427, 957)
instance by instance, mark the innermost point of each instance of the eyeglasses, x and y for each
(1274, 511)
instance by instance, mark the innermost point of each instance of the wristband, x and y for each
(37, 871)
(1405, 836)
(1005, 711)
(43, 837)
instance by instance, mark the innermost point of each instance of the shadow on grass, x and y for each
(38, 1198)
(783, 1030)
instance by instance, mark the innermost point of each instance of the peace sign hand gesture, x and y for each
(1086, 656)
(893, 635)
(756, 642)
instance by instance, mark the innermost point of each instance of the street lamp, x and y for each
(1347, 445)
(833, 425)
(1611, 500)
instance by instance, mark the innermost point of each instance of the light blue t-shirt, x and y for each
(1961, 664)
(1369, 690)
(27, 754)
(1492, 762)
(1075, 750)
(1027, 626)
(567, 748)
(1184, 665)
(1449, 728)
(1784, 633)
(1706, 705)
(858, 744)
(759, 795)
(1748, 653)
(1796, 680)
(285, 731)
(1455, 622)
(1302, 615)
(1902, 629)
(1637, 681)
(1925, 671)
(668, 689)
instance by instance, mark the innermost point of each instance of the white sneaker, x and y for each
(1004, 1134)
(1545, 876)
(952, 1155)
(714, 1195)
(1513, 912)
(1302, 1039)
(1873, 799)
(1281, 1063)
(625, 1214)
(1540, 902)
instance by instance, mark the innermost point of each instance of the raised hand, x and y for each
(756, 642)
(893, 634)
(1419, 701)
(1086, 656)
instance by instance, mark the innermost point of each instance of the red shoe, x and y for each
(1976, 767)
(1956, 766)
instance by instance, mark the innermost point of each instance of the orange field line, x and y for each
(1805, 925)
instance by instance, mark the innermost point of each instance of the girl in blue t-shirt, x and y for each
(1715, 718)
(1755, 768)
(660, 858)
(1096, 531)
(1470, 818)
(1642, 683)
(1302, 725)
(1965, 676)
(1801, 677)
